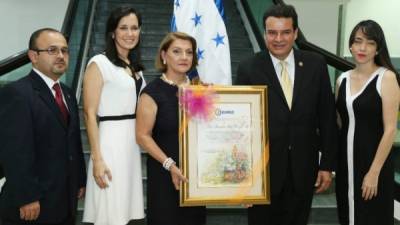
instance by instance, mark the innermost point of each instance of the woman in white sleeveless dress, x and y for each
(112, 83)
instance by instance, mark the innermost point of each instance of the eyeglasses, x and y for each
(52, 50)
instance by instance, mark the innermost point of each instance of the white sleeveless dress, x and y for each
(123, 199)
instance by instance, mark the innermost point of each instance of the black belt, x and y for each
(121, 117)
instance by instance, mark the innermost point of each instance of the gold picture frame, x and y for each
(226, 158)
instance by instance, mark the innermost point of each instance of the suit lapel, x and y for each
(271, 76)
(300, 74)
(45, 94)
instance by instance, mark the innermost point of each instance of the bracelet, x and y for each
(168, 163)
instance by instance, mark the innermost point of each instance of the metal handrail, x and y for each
(21, 58)
(77, 84)
(252, 21)
(13, 62)
(331, 59)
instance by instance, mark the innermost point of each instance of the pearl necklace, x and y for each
(171, 82)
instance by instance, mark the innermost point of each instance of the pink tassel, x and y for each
(199, 102)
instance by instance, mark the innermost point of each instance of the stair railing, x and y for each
(77, 82)
(21, 58)
(301, 41)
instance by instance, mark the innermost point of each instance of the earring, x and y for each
(164, 62)
(376, 53)
(112, 36)
(350, 49)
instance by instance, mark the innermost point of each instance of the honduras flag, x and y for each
(203, 19)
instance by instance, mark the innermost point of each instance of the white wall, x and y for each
(385, 12)
(318, 20)
(19, 18)
(397, 210)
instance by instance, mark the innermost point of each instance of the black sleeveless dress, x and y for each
(162, 198)
(362, 129)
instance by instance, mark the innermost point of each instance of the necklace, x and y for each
(173, 83)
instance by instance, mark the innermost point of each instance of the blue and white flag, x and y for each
(202, 20)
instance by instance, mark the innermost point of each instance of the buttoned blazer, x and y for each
(41, 155)
(296, 135)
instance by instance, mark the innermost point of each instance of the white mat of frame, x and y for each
(2, 180)
(396, 210)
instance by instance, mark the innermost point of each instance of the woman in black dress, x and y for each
(157, 132)
(367, 102)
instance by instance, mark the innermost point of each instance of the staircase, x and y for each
(156, 15)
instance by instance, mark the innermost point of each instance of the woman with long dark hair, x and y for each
(111, 87)
(367, 103)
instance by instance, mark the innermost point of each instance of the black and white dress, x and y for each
(122, 201)
(362, 129)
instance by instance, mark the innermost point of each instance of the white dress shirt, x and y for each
(290, 63)
(50, 83)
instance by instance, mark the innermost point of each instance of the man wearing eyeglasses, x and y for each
(40, 144)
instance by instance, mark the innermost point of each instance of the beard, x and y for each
(59, 68)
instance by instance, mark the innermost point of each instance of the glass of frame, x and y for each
(226, 158)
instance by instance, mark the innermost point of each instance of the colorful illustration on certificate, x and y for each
(224, 149)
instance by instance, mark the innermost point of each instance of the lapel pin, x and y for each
(300, 63)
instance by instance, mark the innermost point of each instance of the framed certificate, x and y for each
(225, 157)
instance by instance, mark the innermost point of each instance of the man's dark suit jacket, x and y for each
(297, 135)
(41, 155)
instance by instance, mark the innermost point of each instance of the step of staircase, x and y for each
(156, 16)
(239, 217)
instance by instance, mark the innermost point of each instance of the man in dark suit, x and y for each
(301, 120)
(41, 149)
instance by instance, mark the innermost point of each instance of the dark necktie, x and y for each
(60, 102)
